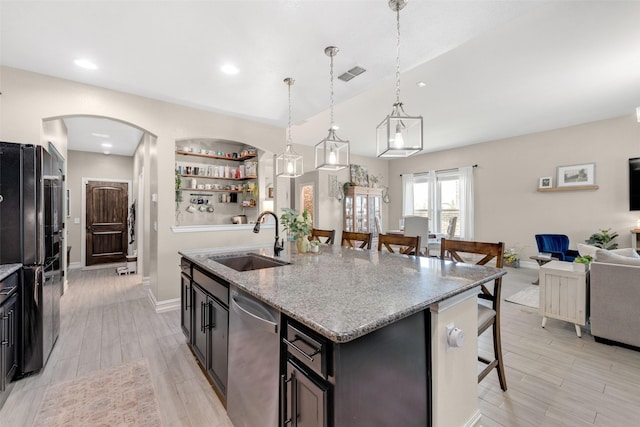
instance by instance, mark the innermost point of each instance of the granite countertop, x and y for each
(345, 293)
(7, 269)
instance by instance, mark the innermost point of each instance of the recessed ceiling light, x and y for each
(106, 145)
(85, 63)
(100, 135)
(229, 69)
(421, 84)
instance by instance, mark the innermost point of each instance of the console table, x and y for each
(563, 292)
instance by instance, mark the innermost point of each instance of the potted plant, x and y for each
(511, 258)
(603, 239)
(299, 225)
(178, 186)
(586, 259)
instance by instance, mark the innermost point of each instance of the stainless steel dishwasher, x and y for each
(254, 354)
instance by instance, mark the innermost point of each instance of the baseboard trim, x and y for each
(163, 306)
(74, 265)
(474, 420)
(146, 282)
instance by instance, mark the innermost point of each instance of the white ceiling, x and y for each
(493, 69)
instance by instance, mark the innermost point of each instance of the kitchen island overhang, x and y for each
(345, 293)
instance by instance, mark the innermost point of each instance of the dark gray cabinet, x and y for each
(9, 338)
(185, 298)
(352, 384)
(305, 399)
(205, 322)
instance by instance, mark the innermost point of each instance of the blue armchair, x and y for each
(557, 245)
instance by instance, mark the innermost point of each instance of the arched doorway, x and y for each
(107, 148)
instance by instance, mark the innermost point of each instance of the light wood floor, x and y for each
(554, 378)
(107, 320)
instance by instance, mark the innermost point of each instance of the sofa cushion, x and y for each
(591, 250)
(610, 257)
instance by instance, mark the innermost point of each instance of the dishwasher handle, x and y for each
(259, 322)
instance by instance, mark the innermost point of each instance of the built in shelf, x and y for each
(213, 156)
(572, 188)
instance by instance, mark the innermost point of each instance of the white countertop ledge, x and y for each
(215, 228)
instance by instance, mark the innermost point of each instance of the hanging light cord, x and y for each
(398, 56)
(289, 128)
(331, 90)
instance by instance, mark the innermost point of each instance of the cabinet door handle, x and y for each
(187, 297)
(293, 419)
(307, 356)
(11, 328)
(5, 338)
(201, 316)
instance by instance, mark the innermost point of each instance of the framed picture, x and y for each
(359, 176)
(576, 175)
(546, 182)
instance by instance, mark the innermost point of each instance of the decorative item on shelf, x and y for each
(332, 153)
(576, 175)
(546, 182)
(511, 258)
(299, 226)
(603, 239)
(399, 135)
(178, 188)
(288, 164)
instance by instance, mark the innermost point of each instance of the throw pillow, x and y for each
(613, 258)
(591, 250)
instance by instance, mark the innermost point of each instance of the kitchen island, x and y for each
(384, 318)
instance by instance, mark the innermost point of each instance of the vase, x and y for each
(302, 244)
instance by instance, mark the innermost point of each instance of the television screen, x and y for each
(634, 184)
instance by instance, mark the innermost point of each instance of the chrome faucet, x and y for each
(277, 246)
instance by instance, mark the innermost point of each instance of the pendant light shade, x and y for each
(399, 135)
(332, 153)
(289, 164)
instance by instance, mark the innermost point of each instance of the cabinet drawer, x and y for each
(216, 287)
(307, 348)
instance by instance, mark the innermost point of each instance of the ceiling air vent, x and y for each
(355, 71)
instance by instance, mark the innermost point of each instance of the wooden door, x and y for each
(106, 240)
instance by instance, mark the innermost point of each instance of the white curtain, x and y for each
(433, 201)
(466, 203)
(407, 194)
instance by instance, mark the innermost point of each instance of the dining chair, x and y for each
(356, 240)
(316, 233)
(487, 316)
(417, 226)
(434, 244)
(407, 245)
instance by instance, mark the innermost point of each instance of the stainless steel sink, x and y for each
(247, 262)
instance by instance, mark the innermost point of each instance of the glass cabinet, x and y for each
(362, 205)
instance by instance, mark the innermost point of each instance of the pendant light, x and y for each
(289, 164)
(399, 135)
(332, 153)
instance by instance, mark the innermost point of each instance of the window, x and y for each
(440, 196)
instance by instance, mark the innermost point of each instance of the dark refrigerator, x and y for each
(31, 233)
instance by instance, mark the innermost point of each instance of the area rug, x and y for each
(118, 396)
(529, 297)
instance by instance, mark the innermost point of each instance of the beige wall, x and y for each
(507, 206)
(81, 165)
(28, 98)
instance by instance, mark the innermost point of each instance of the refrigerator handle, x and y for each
(39, 282)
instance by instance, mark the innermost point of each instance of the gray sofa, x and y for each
(615, 301)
